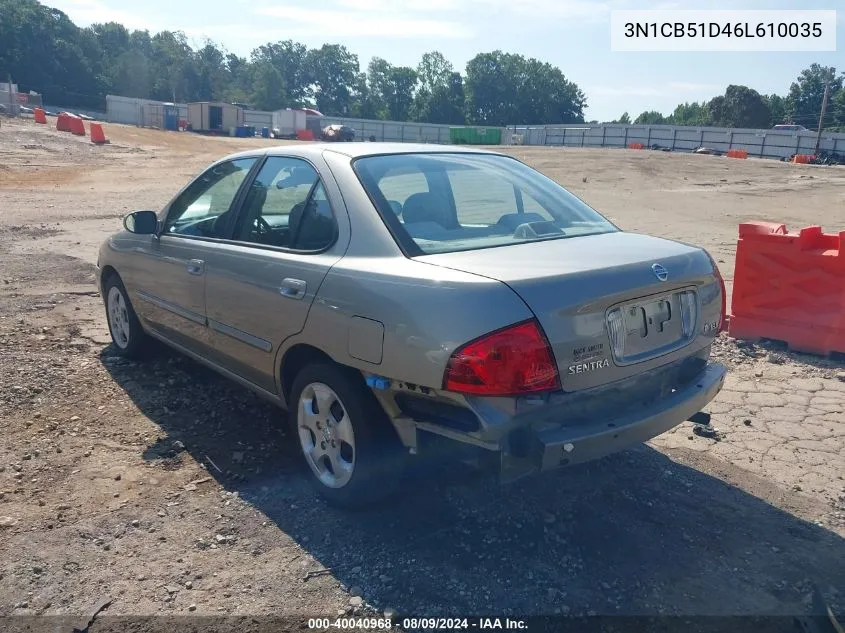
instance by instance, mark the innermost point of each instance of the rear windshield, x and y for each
(441, 203)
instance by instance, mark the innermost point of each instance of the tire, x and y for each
(128, 336)
(356, 460)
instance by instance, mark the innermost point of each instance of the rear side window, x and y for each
(399, 186)
(286, 207)
(445, 202)
(480, 200)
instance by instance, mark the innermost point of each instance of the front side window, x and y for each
(437, 203)
(286, 207)
(205, 208)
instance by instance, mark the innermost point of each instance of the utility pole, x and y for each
(821, 118)
(11, 97)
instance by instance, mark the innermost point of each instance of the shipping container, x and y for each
(286, 123)
(214, 117)
(475, 135)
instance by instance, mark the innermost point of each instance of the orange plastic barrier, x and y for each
(304, 135)
(98, 136)
(63, 122)
(40, 116)
(803, 159)
(737, 153)
(77, 126)
(788, 287)
(636, 146)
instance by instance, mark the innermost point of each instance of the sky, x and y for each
(573, 35)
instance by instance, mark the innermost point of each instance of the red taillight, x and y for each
(514, 361)
(723, 321)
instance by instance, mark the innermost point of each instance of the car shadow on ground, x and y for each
(633, 534)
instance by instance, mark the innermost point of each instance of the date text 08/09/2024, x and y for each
(434, 624)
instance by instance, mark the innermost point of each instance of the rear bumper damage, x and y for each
(572, 429)
(548, 449)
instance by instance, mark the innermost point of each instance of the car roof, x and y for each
(357, 150)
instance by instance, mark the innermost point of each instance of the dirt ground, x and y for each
(160, 488)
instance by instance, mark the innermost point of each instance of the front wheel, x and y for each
(126, 332)
(352, 452)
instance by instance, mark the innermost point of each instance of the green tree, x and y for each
(445, 104)
(434, 71)
(650, 117)
(403, 80)
(838, 110)
(807, 92)
(43, 50)
(239, 83)
(212, 76)
(740, 107)
(625, 119)
(290, 59)
(114, 42)
(171, 60)
(378, 84)
(364, 106)
(777, 109)
(391, 89)
(334, 71)
(130, 75)
(503, 88)
(691, 114)
(434, 74)
(268, 92)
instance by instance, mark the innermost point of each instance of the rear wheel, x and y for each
(353, 455)
(126, 333)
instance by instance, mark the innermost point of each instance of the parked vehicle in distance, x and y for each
(790, 127)
(337, 132)
(393, 296)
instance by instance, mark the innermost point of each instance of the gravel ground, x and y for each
(158, 488)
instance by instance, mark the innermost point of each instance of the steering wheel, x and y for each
(262, 226)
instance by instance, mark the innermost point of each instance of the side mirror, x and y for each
(141, 222)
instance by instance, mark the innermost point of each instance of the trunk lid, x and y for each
(589, 292)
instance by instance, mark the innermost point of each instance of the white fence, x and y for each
(391, 131)
(130, 111)
(759, 143)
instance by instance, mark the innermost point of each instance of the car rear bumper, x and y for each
(563, 446)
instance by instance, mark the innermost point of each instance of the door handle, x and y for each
(293, 288)
(196, 267)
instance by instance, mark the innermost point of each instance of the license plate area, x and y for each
(652, 326)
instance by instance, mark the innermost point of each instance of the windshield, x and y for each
(440, 203)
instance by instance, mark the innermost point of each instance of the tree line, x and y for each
(46, 52)
(744, 107)
(76, 67)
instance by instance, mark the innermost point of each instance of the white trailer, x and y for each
(286, 123)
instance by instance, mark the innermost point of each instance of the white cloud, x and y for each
(579, 10)
(399, 6)
(571, 10)
(301, 21)
(87, 12)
